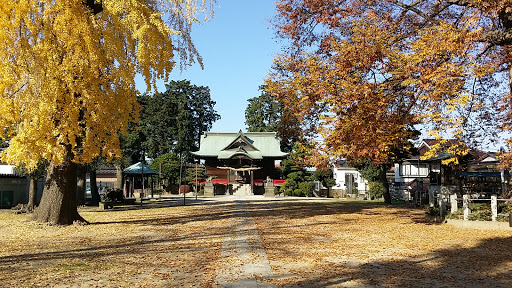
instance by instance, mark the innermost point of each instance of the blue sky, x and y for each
(237, 47)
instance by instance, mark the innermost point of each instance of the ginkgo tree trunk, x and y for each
(67, 88)
(58, 202)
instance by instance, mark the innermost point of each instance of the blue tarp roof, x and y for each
(478, 174)
(137, 169)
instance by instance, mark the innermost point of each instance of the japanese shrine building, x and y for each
(238, 163)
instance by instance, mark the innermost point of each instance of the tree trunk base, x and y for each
(385, 184)
(58, 203)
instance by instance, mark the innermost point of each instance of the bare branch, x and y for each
(466, 3)
(410, 8)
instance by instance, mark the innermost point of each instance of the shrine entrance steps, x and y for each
(241, 189)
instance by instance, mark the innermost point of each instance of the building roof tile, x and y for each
(224, 145)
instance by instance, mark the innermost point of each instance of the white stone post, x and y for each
(453, 203)
(494, 207)
(465, 200)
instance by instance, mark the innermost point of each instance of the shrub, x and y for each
(504, 207)
(480, 211)
(459, 214)
(288, 187)
(433, 211)
(305, 189)
(376, 190)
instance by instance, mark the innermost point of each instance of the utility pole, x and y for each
(196, 182)
(142, 175)
(179, 185)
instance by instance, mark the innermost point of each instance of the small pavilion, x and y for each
(239, 163)
(134, 183)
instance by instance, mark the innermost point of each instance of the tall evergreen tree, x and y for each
(172, 121)
(265, 114)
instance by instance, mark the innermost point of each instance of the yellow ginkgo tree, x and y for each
(67, 70)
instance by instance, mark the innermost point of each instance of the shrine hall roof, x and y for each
(255, 145)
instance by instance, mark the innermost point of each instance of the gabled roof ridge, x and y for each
(431, 141)
(240, 135)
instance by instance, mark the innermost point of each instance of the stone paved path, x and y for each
(244, 262)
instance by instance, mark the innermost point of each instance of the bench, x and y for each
(110, 204)
(106, 205)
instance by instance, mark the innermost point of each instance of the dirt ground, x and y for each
(309, 243)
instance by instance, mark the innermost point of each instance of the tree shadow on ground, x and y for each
(304, 209)
(486, 265)
(293, 208)
(125, 244)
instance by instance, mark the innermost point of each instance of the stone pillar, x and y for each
(494, 207)
(269, 188)
(465, 199)
(442, 205)
(431, 198)
(504, 181)
(209, 189)
(453, 203)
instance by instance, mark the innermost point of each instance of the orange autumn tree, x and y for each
(362, 74)
(67, 80)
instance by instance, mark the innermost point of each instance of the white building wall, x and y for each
(406, 171)
(6, 169)
(339, 175)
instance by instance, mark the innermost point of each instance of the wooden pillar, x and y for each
(124, 189)
(252, 181)
(228, 192)
(151, 185)
(133, 186)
